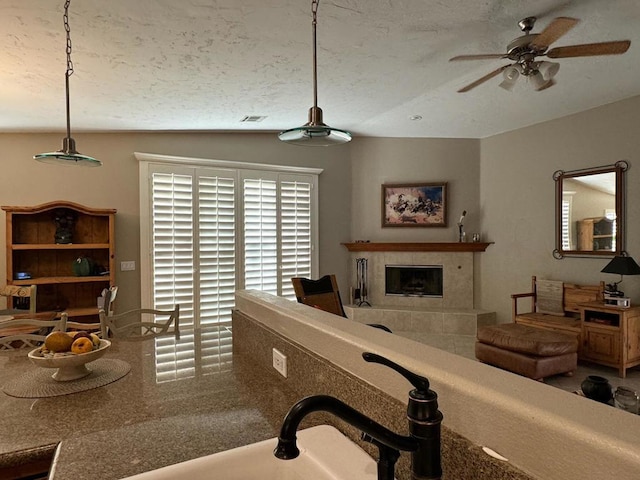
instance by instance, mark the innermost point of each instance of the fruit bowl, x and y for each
(70, 366)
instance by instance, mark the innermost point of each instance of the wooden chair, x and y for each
(29, 331)
(324, 295)
(18, 296)
(141, 323)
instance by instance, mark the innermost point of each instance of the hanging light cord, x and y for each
(69, 72)
(314, 23)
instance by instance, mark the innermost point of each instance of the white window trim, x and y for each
(147, 159)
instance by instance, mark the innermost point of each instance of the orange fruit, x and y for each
(58, 342)
(82, 345)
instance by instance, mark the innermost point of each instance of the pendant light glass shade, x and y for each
(315, 133)
(68, 155)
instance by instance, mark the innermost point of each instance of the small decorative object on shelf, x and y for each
(597, 388)
(64, 220)
(361, 293)
(462, 236)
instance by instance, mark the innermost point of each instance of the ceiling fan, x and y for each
(524, 50)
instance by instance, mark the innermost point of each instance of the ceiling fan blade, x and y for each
(482, 56)
(590, 49)
(488, 76)
(556, 29)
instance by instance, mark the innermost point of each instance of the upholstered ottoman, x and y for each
(529, 351)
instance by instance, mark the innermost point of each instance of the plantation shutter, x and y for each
(260, 234)
(216, 248)
(277, 238)
(211, 231)
(566, 223)
(172, 243)
(296, 230)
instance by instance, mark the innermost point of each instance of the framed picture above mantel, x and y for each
(414, 205)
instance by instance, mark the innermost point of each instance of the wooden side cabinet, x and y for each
(595, 234)
(610, 335)
(45, 241)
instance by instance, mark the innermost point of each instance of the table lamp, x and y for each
(622, 265)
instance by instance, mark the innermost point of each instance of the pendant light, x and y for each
(315, 133)
(68, 155)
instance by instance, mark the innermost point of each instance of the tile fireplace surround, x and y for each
(456, 260)
(451, 314)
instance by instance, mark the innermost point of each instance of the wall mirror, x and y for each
(590, 217)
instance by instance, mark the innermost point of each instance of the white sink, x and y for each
(325, 454)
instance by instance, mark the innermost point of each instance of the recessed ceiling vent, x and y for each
(253, 118)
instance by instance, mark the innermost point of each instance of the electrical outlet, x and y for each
(280, 362)
(127, 266)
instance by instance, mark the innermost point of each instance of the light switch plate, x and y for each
(280, 362)
(127, 266)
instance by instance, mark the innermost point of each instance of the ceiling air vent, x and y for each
(253, 118)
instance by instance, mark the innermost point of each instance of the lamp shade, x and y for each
(510, 76)
(548, 69)
(622, 265)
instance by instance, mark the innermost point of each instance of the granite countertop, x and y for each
(179, 401)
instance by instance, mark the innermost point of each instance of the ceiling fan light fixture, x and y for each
(68, 155)
(539, 82)
(510, 76)
(315, 133)
(548, 69)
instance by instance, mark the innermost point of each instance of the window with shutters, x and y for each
(566, 222)
(211, 231)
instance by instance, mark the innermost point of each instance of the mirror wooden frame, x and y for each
(560, 176)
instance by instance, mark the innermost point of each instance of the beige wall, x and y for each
(115, 185)
(376, 161)
(504, 182)
(518, 199)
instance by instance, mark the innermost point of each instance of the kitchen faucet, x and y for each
(424, 418)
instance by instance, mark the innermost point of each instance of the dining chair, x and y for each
(142, 323)
(108, 298)
(98, 328)
(323, 294)
(19, 295)
(29, 331)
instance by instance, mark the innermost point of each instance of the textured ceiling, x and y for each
(206, 64)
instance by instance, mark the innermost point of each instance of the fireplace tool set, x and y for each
(361, 292)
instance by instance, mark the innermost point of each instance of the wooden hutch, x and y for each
(44, 245)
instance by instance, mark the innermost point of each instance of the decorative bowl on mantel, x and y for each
(69, 366)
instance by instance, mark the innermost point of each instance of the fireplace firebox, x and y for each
(414, 280)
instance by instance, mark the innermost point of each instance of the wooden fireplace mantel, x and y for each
(417, 247)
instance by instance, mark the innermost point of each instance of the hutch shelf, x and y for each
(36, 247)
